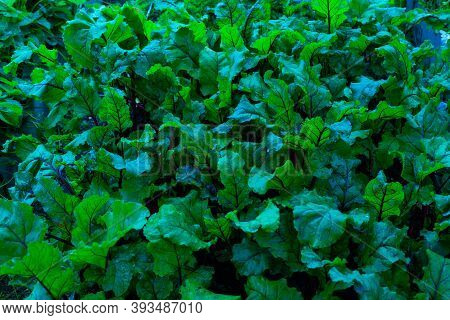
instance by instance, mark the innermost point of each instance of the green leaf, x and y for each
(47, 56)
(282, 244)
(43, 263)
(191, 290)
(312, 260)
(154, 288)
(114, 110)
(194, 209)
(172, 224)
(79, 35)
(170, 258)
(95, 253)
(56, 203)
(332, 10)
(259, 288)
(18, 228)
(11, 112)
(216, 149)
(385, 197)
(184, 51)
(280, 101)
(123, 217)
(386, 112)
(220, 227)
(259, 179)
(315, 133)
(396, 58)
(211, 63)
(96, 232)
(83, 95)
(231, 38)
(319, 225)
(87, 219)
(264, 44)
(117, 30)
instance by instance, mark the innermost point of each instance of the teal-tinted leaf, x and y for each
(436, 280)
(21, 54)
(365, 89)
(282, 244)
(369, 287)
(254, 85)
(230, 12)
(319, 225)
(126, 261)
(39, 293)
(118, 276)
(11, 112)
(250, 259)
(342, 183)
(343, 277)
(312, 260)
(246, 112)
(235, 194)
(383, 247)
(114, 61)
(267, 220)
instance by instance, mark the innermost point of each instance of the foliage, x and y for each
(223, 150)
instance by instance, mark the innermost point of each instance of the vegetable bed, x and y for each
(223, 150)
